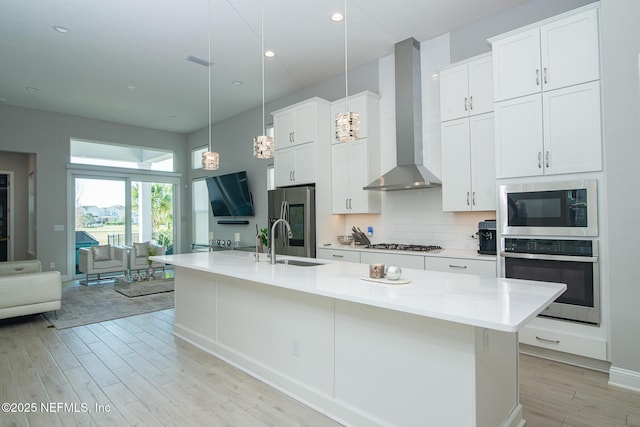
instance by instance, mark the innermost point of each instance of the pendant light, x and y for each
(263, 144)
(210, 159)
(347, 124)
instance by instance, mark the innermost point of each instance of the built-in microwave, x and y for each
(568, 208)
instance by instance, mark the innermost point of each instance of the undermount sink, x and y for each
(298, 263)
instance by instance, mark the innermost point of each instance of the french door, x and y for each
(121, 209)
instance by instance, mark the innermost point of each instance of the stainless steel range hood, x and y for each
(410, 172)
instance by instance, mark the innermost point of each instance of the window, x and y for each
(120, 156)
(200, 202)
(196, 157)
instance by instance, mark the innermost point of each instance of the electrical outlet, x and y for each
(295, 348)
(52, 265)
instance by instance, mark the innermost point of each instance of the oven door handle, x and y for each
(546, 257)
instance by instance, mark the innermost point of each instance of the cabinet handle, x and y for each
(471, 103)
(548, 340)
(346, 203)
(465, 105)
(546, 159)
(467, 198)
(537, 77)
(457, 266)
(337, 256)
(544, 71)
(350, 205)
(290, 136)
(473, 198)
(539, 159)
(294, 175)
(293, 137)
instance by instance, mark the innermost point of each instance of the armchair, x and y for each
(102, 259)
(139, 253)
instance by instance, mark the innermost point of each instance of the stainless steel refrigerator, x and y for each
(298, 206)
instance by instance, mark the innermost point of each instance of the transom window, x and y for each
(86, 152)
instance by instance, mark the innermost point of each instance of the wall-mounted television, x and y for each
(229, 195)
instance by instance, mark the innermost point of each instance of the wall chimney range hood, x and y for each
(410, 172)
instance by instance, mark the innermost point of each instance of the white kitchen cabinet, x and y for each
(555, 132)
(338, 255)
(300, 135)
(366, 104)
(559, 52)
(295, 165)
(478, 267)
(468, 164)
(466, 88)
(355, 164)
(401, 260)
(295, 125)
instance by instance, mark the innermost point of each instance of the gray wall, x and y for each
(621, 111)
(233, 139)
(47, 135)
(472, 39)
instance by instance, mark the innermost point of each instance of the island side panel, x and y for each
(285, 331)
(195, 305)
(405, 369)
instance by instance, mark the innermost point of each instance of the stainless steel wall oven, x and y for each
(574, 262)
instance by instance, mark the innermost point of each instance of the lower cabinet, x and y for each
(406, 261)
(461, 265)
(338, 255)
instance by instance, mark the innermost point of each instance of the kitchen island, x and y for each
(440, 350)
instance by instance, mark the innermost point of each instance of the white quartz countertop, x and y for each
(440, 253)
(494, 303)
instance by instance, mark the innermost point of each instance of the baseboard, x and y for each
(624, 378)
(569, 359)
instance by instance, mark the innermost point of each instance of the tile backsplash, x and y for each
(416, 217)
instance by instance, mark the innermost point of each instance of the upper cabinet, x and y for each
(554, 55)
(467, 136)
(296, 140)
(547, 92)
(355, 164)
(466, 89)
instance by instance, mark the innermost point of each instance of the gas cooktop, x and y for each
(404, 247)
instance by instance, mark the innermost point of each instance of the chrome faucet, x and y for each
(273, 240)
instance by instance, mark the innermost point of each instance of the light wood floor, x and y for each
(147, 377)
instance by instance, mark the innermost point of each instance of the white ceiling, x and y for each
(114, 44)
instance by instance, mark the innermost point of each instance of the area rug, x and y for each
(83, 305)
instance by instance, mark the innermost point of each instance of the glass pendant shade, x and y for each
(347, 126)
(263, 147)
(210, 160)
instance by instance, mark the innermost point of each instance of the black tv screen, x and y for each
(229, 195)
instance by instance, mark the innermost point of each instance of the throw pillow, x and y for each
(141, 249)
(101, 253)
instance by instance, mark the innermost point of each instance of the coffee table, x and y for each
(163, 282)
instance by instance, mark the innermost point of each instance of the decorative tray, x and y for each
(386, 281)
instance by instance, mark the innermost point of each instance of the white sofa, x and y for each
(102, 259)
(26, 289)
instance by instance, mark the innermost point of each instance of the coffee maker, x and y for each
(487, 237)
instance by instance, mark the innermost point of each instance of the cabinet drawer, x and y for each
(406, 261)
(338, 255)
(581, 345)
(460, 265)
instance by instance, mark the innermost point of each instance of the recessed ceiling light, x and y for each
(61, 29)
(435, 76)
(173, 116)
(337, 17)
(236, 82)
(131, 87)
(269, 54)
(31, 89)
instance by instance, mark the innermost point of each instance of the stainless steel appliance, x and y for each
(298, 206)
(574, 262)
(566, 209)
(487, 239)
